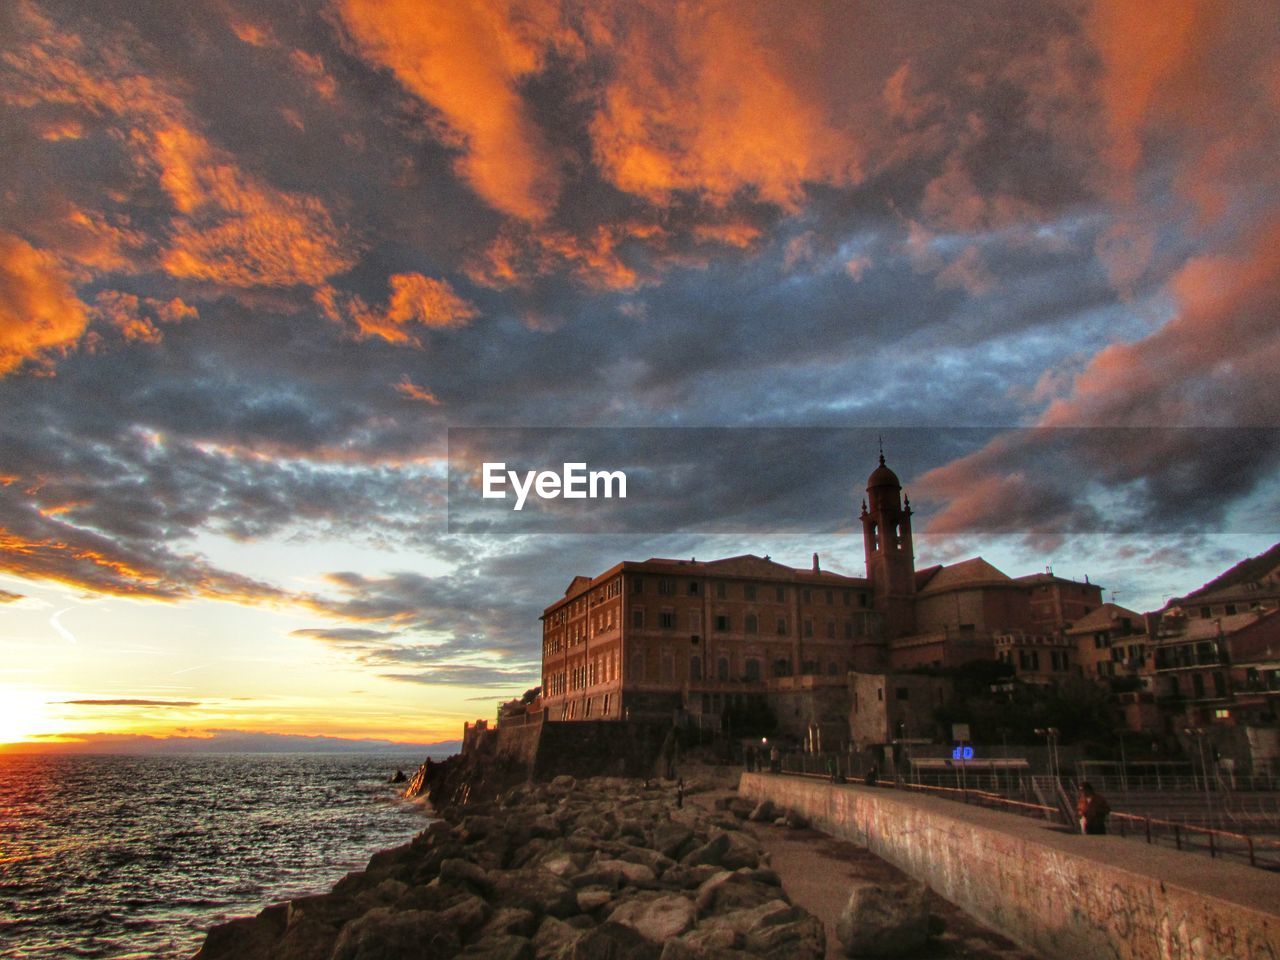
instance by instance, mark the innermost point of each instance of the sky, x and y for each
(258, 259)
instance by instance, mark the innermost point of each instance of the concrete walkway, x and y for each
(814, 866)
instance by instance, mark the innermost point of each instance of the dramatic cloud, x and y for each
(467, 61)
(271, 255)
(415, 300)
(39, 311)
(1168, 91)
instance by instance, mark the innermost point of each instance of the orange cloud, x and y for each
(228, 226)
(716, 101)
(136, 317)
(467, 61)
(517, 255)
(39, 310)
(311, 66)
(415, 300)
(407, 388)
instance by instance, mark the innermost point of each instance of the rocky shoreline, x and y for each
(606, 868)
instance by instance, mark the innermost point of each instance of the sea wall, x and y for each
(494, 759)
(1058, 893)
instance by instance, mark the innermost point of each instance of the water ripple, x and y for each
(133, 858)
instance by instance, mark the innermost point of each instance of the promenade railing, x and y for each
(1260, 852)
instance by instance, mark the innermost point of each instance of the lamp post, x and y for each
(1050, 735)
(1198, 733)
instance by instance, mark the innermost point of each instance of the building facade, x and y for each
(698, 640)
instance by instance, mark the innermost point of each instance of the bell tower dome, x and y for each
(890, 554)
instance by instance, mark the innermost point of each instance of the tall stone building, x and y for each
(687, 639)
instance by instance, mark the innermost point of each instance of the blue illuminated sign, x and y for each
(962, 753)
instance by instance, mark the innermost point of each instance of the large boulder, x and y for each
(884, 920)
(499, 948)
(672, 839)
(535, 890)
(733, 891)
(764, 812)
(247, 938)
(656, 920)
(466, 874)
(382, 934)
(613, 941)
(799, 939)
(554, 940)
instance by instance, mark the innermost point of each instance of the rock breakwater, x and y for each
(566, 870)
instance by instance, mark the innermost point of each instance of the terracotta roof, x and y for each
(925, 575)
(1105, 617)
(967, 573)
(1202, 628)
(747, 565)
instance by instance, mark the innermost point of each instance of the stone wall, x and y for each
(1058, 893)
(588, 748)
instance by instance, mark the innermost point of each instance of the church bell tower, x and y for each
(886, 536)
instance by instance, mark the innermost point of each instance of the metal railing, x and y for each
(1260, 852)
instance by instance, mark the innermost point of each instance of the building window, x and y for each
(695, 621)
(782, 594)
(1204, 612)
(1231, 609)
(832, 668)
(808, 628)
(722, 668)
(722, 622)
(637, 585)
(831, 629)
(637, 618)
(752, 669)
(782, 626)
(667, 620)
(693, 588)
(806, 596)
(721, 590)
(751, 624)
(848, 629)
(1197, 685)
(903, 693)
(695, 668)
(748, 591)
(862, 600)
(848, 598)
(831, 598)
(666, 587)
(782, 668)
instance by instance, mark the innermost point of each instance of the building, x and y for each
(702, 641)
(888, 707)
(1109, 642)
(1037, 659)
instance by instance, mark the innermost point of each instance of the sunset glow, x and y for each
(255, 262)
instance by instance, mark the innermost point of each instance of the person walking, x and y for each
(1092, 808)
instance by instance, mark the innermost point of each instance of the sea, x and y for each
(136, 857)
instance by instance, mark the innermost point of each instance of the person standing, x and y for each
(1092, 809)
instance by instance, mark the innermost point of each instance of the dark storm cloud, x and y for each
(612, 222)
